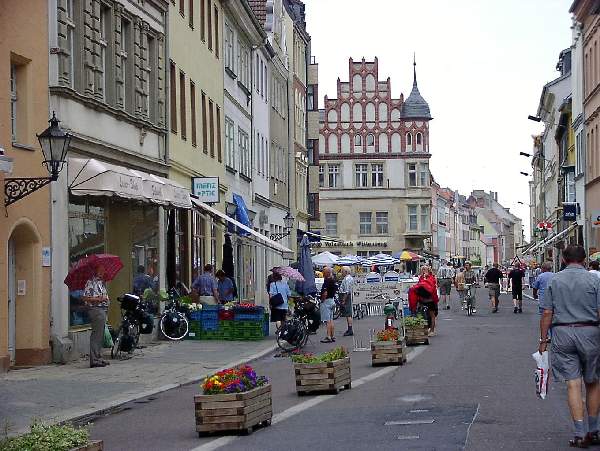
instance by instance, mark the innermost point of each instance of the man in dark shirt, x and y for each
(141, 281)
(327, 303)
(515, 277)
(492, 278)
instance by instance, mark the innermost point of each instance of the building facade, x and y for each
(374, 147)
(25, 224)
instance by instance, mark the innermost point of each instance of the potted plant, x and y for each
(327, 372)
(44, 437)
(235, 399)
(417, 331)
(388, 348)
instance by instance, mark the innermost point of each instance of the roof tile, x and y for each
(259, 7)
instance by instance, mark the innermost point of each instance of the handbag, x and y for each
(107, 342)
(277, 299)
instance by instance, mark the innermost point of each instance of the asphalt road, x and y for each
(471, 388)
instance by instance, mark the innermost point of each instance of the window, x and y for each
(334, 175)
(580, 154)
(377, 175)
(219, 148)
(419, 139)
(423, 175)
(244, 150)
(370, 140)
(216, 32)
(191, 13)
(105, 29)
(182, 105)
(365, 220)
(361, 176)
(173, 95)
(150, 95)
(409, 141)
(331, 224)
(13, 102)
(209, 25)
(321, 176)
(310, 99)
(229, 49)
(229, 143)
(570, 185)
(193, 109)
(182, 7)
(198, 236)
(211, 121)
(260, 80)
(412, 174)
(425, 218)
(202, 20)
(381, 222)
(244, 65)
(204, 125)
(413, 219)
(357, 143)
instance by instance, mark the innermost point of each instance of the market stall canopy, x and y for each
(349, 260)
(262, 239)
(324, 259)
(87, 176)
(382, 260)
(408, 256)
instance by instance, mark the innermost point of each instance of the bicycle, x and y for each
(173, 322)
(293, 333)
(134, 321)
(469, 299)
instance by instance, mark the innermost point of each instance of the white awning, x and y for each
(261, 238)
(87, 176)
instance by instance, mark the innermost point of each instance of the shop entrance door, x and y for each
(12, 296)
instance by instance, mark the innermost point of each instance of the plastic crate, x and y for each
(210, 324)
(211, 335)
(225, 315)
(248, 335)
(196, 315)
(266, 325)
(249, 316)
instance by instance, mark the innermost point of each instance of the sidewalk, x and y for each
(56, 393)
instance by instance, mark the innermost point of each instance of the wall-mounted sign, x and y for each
(570, 211)
(46, 257)
(21, 287)
(596, 219)
(206, 189)
(351, 244)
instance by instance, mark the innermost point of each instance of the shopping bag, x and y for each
(108, 341)
(541, 373)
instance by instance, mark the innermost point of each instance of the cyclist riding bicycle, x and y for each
(470, 278)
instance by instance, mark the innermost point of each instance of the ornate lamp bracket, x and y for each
(19, 187)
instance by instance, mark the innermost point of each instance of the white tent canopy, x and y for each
(324, 259)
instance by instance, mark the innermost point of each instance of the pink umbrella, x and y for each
(85, 268)
(290, 273)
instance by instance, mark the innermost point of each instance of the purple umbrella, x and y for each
(290, 273)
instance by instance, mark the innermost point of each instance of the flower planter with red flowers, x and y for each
(388, 348)
(235, 399)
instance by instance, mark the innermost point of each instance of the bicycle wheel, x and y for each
(115, 351)
(294, 340)
(176, 332)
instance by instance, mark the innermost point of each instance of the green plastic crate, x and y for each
(211, 335)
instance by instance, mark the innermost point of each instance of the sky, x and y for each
(481, 65)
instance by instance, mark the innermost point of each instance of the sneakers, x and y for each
(327, 340)
(474, 310)
(348, 333)
(447, 307)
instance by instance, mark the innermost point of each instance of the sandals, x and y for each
(579, 442)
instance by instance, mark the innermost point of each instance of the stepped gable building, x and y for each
(374, 147)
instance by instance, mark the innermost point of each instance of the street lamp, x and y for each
(288, 225)
(55, 143)
(524, 173)
(523, 203)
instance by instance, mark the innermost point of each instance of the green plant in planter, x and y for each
(43, 437)
(413, 322)
(330, 356)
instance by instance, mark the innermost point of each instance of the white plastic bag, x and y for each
(541, 373)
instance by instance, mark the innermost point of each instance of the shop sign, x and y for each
(596, 219)
(351, 244)
(570, 211)
(206, 189)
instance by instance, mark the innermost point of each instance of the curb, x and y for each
(80, 417)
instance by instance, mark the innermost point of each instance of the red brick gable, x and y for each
(259, 7)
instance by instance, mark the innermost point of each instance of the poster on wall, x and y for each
(596, 219)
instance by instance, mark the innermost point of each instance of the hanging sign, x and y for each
(596, 219)
(570, 211)
(206, 189)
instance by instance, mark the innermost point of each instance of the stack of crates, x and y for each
(249, 323)
(195, 330)
(209, 319)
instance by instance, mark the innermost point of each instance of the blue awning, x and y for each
(241, 214)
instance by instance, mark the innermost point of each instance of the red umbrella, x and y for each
(289, 272)
(85, 269)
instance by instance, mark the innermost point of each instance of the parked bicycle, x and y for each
(135, 320)
(293, 333)
(173, 322)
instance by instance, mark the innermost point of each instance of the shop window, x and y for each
(177, 228)
(86, 226)
(144, 233)
(198, 244)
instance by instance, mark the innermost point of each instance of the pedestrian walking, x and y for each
(328, 304)
(345, 294)
(493, 277)
(595, 268)
(515, 278)
(541, 283)
(278, 286)
(445, 278)
(571, 305)
(96, 301)
(224, 287)
(206, 288)
(459, 284)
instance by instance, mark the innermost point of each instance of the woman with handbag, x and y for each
(279, 291)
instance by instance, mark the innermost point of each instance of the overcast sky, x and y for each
(481, 65)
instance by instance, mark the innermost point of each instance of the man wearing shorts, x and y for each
(492, 278)
(327, 303)
(445, 278)
(571, 306)
(345, 294)
(515, 278)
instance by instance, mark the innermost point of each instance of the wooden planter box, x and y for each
(323, 377)
(93, 445)
(233, 411)
(417, 335)
(388, 352)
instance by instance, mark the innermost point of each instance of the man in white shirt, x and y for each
(595, 268)
(445, 277)
(345, 296)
